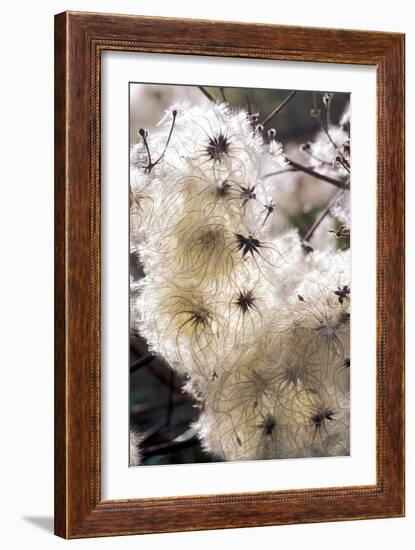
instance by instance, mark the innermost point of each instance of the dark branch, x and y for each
(143, 133)
(156, 369)
(323, 214)
(278, 172)
(248, 105)
(278, 108)
(170, 399)
(170, 447)
(151, 432)
(145, 408)
(207, 94)
(299, 167)
(142, 362)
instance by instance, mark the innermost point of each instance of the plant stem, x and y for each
(248, 104)
(207, 94)
(170, 399)
(170, 447)
(296, 166)
(141, 362)
(278, 108)
(323, 214)
(156, 369)
(278, 172)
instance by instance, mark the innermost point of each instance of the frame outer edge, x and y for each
(77, 512)
(392, 253)
(397, 214)
(403, 152)
(60, 294)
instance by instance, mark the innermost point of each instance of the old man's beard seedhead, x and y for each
(259, 328)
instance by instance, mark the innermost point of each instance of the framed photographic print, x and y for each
(229, 289)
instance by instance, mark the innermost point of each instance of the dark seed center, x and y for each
(217, 147)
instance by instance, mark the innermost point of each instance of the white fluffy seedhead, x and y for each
(136, 439)
(341, 209)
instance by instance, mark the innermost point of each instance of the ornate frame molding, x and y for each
(79, 40)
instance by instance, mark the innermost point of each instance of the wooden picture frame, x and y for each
(79, 40)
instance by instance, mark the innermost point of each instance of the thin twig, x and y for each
(207, 94)
(222, 93)
(248, 104)
(328, 119)
(151, 432)
(325, 128)
(306, 149)
(165, 378)
(278, 172)
(326, 131)
(181, 442)
(143, 133)
(323, 214)
(278, 109)
(299, 167)
(142, 362)
(158, 371)
(170, 399)
(344, 163)
(145, 408)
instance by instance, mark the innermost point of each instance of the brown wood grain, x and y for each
(79, 40)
